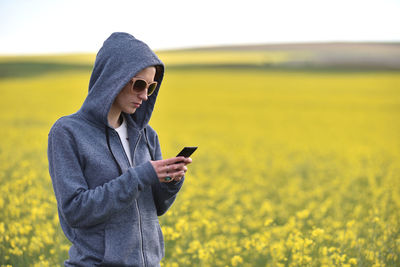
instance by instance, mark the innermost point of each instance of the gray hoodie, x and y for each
(107, 208)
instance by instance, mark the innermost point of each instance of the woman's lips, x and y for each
(136, 105)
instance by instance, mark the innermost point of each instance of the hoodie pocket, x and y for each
(153, 242)
(161, 238)
(122, 244)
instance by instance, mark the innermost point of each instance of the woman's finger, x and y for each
(176, 167)
(177, 176)
(172, 160)
(169, 169)
(187, 160)
(172, 174)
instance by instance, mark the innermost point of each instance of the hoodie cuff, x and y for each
(145, 173)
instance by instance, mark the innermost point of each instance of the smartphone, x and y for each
(187, 151)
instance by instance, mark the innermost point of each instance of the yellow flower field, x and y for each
(293, 168)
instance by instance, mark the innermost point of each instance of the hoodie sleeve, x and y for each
(164, 193)
(79, 205)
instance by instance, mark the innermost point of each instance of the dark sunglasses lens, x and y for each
(139, 85)
(151, 89)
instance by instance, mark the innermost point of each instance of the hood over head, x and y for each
(120, 58)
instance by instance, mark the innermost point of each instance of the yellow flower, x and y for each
(353, 261)
(236, 260)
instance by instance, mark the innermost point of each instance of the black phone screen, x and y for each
(187, 151)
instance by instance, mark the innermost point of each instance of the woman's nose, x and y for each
(143, 95)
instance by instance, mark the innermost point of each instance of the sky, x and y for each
(59, 26)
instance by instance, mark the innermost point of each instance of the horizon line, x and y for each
(217, 46)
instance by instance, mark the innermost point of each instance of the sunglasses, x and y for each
(139, 85)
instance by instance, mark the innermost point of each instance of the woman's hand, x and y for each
(172, 169)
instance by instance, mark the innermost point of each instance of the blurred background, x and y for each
(294, 105)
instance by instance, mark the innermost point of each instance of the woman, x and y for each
(105, 162)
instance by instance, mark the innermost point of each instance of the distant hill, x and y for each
(293, 57)
(299, 46)
(358, 56)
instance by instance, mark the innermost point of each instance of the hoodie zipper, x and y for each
(136, 202)
(137, 207)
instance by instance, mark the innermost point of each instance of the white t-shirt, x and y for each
(122, 131)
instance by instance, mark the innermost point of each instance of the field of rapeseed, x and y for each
(293, 168)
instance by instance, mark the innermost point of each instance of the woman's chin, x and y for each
(130, 110)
